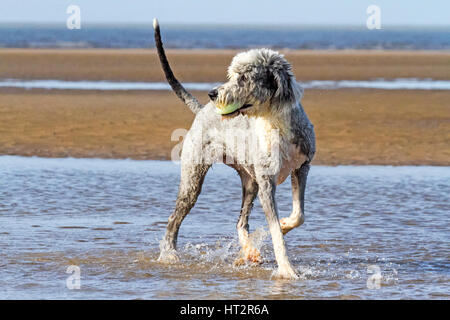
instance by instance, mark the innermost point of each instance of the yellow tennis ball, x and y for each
(226, 109)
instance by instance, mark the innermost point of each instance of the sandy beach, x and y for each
(353, 126)
(210, 65)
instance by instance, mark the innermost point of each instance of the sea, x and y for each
(225, 37)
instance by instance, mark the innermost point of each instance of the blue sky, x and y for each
(325, 12)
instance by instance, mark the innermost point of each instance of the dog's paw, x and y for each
(249, 255)
(287, 273)
(168, 257)
(286, 225)
(239, 262)
(253, 255)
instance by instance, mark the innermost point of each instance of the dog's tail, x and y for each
(181, 92)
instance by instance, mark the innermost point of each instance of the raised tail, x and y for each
(181, 92)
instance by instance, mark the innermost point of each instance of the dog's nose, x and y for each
(213, 94)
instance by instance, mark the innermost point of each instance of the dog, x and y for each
(259, 103)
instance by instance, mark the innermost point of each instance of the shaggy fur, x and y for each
(266, 140)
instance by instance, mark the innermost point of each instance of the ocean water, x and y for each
(371, 232)
(220, 37)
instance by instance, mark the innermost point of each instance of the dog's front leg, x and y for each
(297, 216)
(267, 198)
(192, 176)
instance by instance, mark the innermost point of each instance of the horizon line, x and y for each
(233, 25)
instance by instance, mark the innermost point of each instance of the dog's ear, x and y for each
(287, 90)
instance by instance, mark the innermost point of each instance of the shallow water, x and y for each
(107, 217)
(396, 84)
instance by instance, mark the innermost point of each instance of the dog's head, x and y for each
(260, 81)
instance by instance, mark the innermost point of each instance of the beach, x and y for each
(89, 124)
(353, 126)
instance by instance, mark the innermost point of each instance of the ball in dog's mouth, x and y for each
(230, 108)
(227, 109)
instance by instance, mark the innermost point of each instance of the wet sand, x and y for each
(210, 65)
(353, 126)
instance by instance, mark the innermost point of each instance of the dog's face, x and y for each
(260, 81)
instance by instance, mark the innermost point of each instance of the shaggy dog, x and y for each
(255, 124)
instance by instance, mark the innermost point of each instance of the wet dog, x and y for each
(256, 124)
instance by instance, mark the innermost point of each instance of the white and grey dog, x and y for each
(255, 124)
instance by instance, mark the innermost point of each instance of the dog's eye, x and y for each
(241, 80)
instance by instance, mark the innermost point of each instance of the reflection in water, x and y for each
(107, 217)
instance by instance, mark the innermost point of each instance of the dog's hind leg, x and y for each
(192, 176)
(267, 198)
(249, 193)
(297, 216)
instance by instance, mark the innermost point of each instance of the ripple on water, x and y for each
(108, 216)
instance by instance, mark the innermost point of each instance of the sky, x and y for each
(273, 12)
